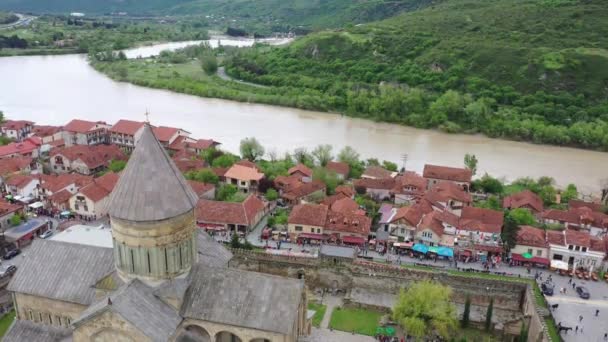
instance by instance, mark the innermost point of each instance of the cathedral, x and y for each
(163, 280)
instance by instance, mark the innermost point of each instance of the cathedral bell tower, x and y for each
(152, 216)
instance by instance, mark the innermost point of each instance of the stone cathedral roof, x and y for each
(151, 188)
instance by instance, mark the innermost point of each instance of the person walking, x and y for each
(569, 281)
(605, 336)
(573, 285)
(580, 318)
(576, 330)
(597, 312)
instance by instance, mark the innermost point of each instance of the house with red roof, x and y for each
(436, 173)
(448, 196)
(345, 190)
(432, 232)
(481, 226)
(377, 172)
(168, 135)
(317, 222)
(342, 204)
(244, 176)
(7, 211)
(302, 171)
(84, 159)
(228, 216)
(91, 200)
(28, 147)
(576, 204)
(409, 188)
(377, 188)
(342, 170)
(16, 129)
(55, 191)
(83, 132)
(48, 134)
(305, 192)
(126, 133)
(23, 186)
(533, 241)
(203, 190)
(577, 248)
(403, 222)
(18, 165)
(524, 199)
(194, 146)
(581, 218)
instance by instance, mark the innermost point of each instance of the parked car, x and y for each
(547, 289)
(583, 292)
(8, 271)
(47, 234)
(11, 254)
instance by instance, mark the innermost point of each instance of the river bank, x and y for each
(61, 88)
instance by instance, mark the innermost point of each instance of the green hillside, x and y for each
(7, 18)
(533, 70)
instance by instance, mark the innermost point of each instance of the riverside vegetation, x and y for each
(529, 70)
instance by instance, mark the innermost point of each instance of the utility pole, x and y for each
(404, 159)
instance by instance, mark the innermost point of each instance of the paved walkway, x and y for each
(331, 302)
(221, 72)
(326, 335)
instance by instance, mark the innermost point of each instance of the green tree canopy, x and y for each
(349, 156)
(322, 154)
(272, 194)
(16, 220)
(203, 175)
(509, 231)
(226, 192)
(424, 309)
(117, 165)
(522, 217)
(251, 149)
(328, 177)
(225, 160)
(489, 184)
(209, 64)
(470, 162)
(390, 166)
(301, 155)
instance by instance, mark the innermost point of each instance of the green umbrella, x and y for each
(527, 256)
(389, 331)
(379, 331)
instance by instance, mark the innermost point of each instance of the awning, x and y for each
(533, 260)
(420, 248)
(36, 205)
(312, 236)
(66, 213)
(403, 244)
(434, 249)
(559, 264)
(25, 199)
(445, 252)
(353, 240)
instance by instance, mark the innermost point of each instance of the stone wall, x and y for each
(108, 327)
(513, 301)
(46, 310)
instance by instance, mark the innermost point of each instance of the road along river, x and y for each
(55, 89)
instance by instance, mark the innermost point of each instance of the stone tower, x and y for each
(152, 216)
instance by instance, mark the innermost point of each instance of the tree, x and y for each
(209, 64)
(509, 232)
(16, 220)
(235, 241)
(489, 315)
(225, 160)
(251, 149)
(272, 194)
(322, 154)
(328, 177)
(205, 176)
(424, 308)
(569, 194)
(466, 313)
(209, 154)
(349, 156)
(301, 155)
(226, 192)
(390, 166)
(489, 184)
(1, 117)
(522, 217)
(117, 165)
(470, 162)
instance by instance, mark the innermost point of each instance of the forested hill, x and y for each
(309, 14)
(523, 69)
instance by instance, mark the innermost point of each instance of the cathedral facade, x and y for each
(163, 280)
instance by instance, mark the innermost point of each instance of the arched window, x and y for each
(193, 333)
(226, 336)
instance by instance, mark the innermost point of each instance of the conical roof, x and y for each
(151, 188)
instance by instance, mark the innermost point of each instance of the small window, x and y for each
(584, 249)
(75, 206)
(570, 247)
(86, 208)
(577, 248)
(539, 252)
(530, 250)
(298, 228)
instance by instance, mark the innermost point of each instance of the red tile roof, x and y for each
(16, 125)
(346, 190)
(286, 183)
(445, 190)
(339, 168)
(597, 244)
(45, 131)
(227, 212)
(561, 216)
(79, 126)
(57, 143)
(575, 204)
(60, 197)
(200, 188)
(449, 218)
(25, 147)
(308, 214)
(12, 165)
(531, 236)
(556, 237)
(481, 219)
(19, 181)
(301, 168)
(127, 127)
(7, 208)
(328, 201)
(577, 238)
(247, 163)
(186, 165)
(304, 190)
(453, 174)
(93, 156)
(203, 144)
(377, 172)
(101, 187)
(409, 183)
(345, 205)
(430, 221)
(164, 134)
(59, 182)
(412, 214)
(381, 184)
(523, 199)
(348, 223)
(243, 173)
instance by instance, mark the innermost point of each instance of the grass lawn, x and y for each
(6, 322)
(319, 313)
(359, 321)
(474, 335)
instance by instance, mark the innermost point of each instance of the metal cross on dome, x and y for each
(147, 116)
